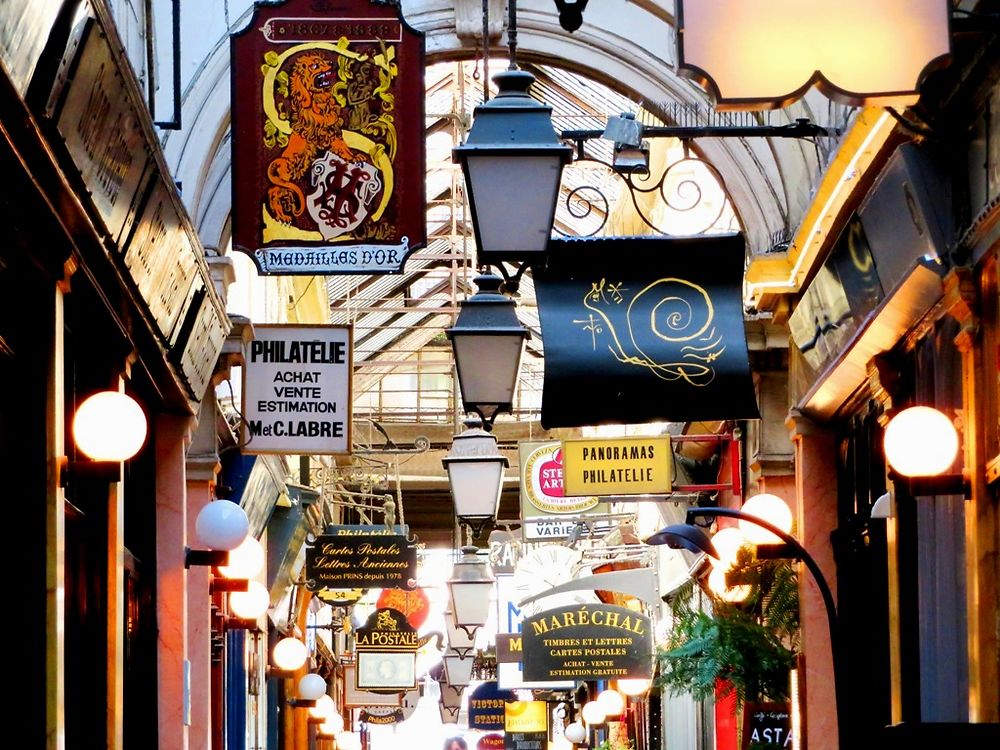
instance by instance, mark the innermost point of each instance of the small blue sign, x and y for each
(486, 707)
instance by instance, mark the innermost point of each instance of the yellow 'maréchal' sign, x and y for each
(617, 466)
(526, 716)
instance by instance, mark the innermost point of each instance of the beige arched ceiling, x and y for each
(623, 57)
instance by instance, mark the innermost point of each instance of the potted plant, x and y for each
(718, 647)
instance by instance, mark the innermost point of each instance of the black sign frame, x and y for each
(361, 561)
(644, 329)
(587, 642)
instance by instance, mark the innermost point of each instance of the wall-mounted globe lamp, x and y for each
(245, 561)
(348, 741)
(309, 690)
(920, 442)
(108, 427)
(288, 655)
(475, 469)
(488, 341)
(246, 607)
(470, 590)
(325, 708)
(921, 445)
(593, 713)
(575, 732)
(332, 725)
(221, 526)
(611, 702)
(769, 508)
(633, 686)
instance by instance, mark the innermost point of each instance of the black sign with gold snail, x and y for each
(644, 329)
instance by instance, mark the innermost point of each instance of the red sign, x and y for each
(413, 604)
(328, 138)
(490, 742)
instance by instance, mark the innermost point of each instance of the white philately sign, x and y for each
(297, 390)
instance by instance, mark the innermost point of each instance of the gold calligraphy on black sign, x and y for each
(669, 311)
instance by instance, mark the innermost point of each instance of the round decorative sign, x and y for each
(543, 475)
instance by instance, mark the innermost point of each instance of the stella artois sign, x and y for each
(328, 138)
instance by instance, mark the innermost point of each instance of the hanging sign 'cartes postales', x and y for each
(363, 562)
(328, 138)
(587, 642)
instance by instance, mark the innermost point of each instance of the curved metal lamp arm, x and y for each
(824, 588)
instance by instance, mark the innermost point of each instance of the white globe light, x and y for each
(717, 583)
(727, 543)
(612, 702)
(250, 604)
(245, 561)
(325, 707)
(332, 723)
(311, 687)
(593, 713)
(633, 686)
(770, 508)
(109, 426)
(221, 525)
(348, 741)
(289, 654)
(575, 733)
(920, 442)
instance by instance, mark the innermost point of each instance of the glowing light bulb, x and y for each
(289, 654)
(727, 543)
(920, 442)
(324, 708)
(769, 508)
(593, 713)
(245, 561)
(633, 686)
(717, 583)
(612, 702)
(109, 426)
(250, 604)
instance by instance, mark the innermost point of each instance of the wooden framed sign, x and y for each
(297, 390)
(328, 138)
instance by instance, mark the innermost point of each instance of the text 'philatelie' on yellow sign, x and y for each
(618, 466)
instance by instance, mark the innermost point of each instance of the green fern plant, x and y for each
(746, 649)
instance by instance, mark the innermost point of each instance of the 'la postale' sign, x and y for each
(587, 642)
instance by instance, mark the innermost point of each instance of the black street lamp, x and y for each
(488, 341)
(692, 538)
(513, 162)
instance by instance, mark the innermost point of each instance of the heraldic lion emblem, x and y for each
(316, 121)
